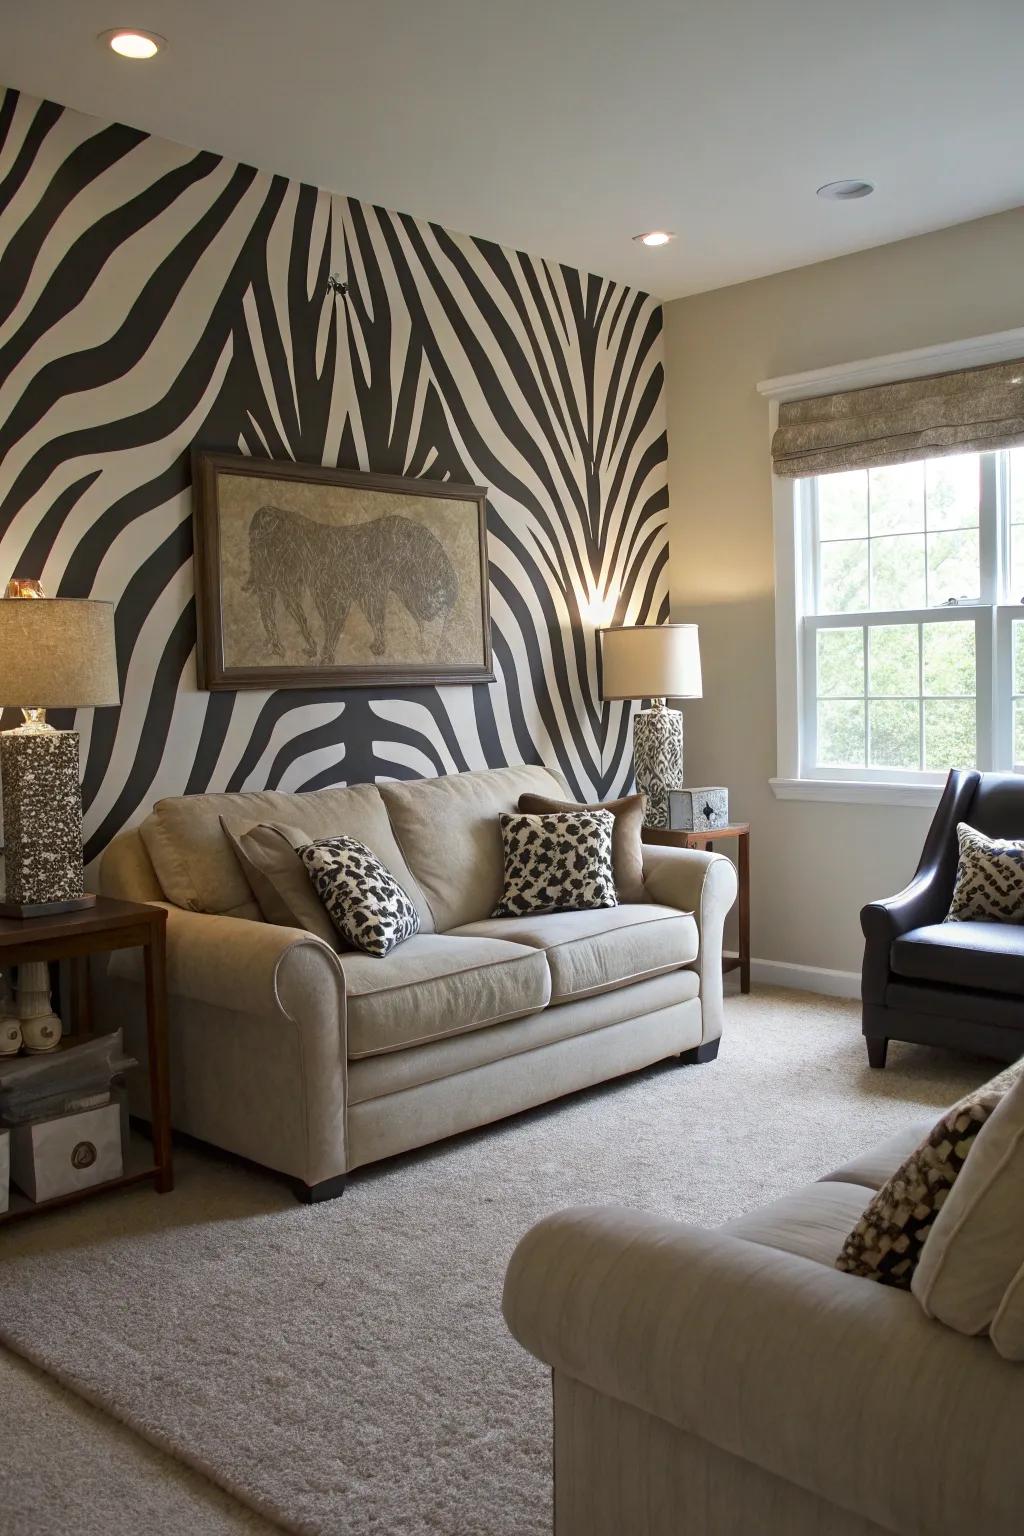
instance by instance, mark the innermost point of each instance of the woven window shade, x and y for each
(970, 411)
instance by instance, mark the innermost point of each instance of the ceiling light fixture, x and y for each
(655, 237)
(130, 43)
(845, 191)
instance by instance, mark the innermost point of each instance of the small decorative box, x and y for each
(56, 1157)
(698, 810)
(5, 1170)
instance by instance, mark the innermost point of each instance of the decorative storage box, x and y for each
(698, 810)
(56, 1157)
(5, 1170)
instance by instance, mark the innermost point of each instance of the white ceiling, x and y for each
(564, 127)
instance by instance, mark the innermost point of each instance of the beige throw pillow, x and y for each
(627, 839)
(976, 1247)
(278, 878)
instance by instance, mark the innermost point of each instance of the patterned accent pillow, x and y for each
(364, 901)
(627, 836)
(886, 1243)
(561, 862)
(989, 884)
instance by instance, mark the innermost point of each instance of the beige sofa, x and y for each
(733, 1382)
(314, 1062)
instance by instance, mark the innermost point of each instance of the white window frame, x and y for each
(794, 576)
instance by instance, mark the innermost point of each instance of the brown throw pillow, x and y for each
(886, 1243)
(627, 845)
(269, 860)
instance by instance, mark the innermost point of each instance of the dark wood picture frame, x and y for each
(213, 672)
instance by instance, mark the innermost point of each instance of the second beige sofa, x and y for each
(734, 1382)
(315, 1062)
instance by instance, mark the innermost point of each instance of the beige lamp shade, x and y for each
(57, 653)
(650, 661)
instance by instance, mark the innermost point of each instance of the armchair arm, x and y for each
(926, 899)
(834, 1383)
(706, 885)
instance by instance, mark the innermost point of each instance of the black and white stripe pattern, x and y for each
(152, 297)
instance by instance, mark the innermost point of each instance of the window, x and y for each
(899, 588)
(910, 581)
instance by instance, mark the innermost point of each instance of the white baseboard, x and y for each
(804, 978)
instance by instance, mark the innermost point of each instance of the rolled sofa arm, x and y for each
(834, 1383)
(257, 1039)
(244, 966)
(706, 885)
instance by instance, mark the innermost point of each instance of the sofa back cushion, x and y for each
(197, 869)
(126, 870)
(449, 832)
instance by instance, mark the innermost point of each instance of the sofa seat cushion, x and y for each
(973, 955)
(591, 952)
(813, 1223)
(876, 1167)
(642, 1007)
(434, 986)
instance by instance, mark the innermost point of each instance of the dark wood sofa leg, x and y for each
(700, 1054)
(878, 1047)
(327, 1189)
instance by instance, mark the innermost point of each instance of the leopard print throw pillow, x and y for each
(559, 862)
(363, 900)
(886, 1243)
(989, 879)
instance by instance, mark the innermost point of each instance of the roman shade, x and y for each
(970, 411)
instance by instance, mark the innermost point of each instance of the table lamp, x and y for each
(656, 662)
(55, 653)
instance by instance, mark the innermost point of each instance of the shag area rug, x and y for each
(344, 1368)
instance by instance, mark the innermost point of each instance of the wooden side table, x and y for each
(74, 936)
(740, 830)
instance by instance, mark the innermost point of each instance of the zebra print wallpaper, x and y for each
(153, 297)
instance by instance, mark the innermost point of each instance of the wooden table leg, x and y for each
(81, 996)
(155, 953)
(744, 911)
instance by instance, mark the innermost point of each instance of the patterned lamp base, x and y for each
(42, 808)
(658, 757)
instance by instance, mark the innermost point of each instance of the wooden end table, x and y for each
(668, 837)
(74, 936)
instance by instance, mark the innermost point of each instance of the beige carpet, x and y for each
(68, 1469)
(344, 1368)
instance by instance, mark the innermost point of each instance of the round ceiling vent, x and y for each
(845, 191)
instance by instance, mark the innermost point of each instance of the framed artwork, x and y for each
(312, 578)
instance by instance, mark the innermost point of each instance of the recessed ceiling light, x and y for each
(130, 43)
(655, 237)
(845, 191)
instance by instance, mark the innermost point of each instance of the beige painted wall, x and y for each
(814, 865)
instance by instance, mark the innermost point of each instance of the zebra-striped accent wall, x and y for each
(153, 297)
